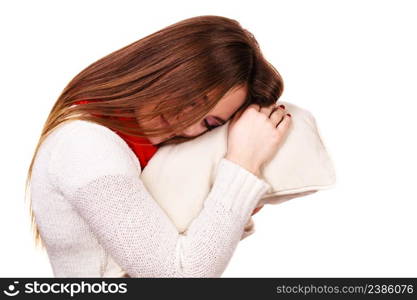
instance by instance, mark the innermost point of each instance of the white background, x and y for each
(352, 64)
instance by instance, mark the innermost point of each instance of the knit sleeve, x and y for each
(94, 172)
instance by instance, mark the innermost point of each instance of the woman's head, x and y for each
(222, 112)
(189, 72)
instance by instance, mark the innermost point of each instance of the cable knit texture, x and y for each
(95, 215)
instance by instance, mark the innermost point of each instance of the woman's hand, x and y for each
(254, 135)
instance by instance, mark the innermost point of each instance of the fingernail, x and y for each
(289, 115)
(282, 106)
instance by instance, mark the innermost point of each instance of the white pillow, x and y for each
(180, 176)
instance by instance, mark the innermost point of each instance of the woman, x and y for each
(89, 208)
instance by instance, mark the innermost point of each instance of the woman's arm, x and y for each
(131, 225)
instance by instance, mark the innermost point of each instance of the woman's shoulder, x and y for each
(84, 134)
(85, 150)
(70, 128)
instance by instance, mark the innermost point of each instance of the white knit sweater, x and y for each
(97, 219)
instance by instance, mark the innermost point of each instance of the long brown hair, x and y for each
(174, 68)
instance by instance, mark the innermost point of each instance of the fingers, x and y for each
(237, 115)
(284, 124)
(267, 110)
(277, 115)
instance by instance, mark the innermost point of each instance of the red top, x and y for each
(143, 152)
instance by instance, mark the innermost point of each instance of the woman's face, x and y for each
(220, 114)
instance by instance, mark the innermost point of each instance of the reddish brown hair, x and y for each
(172, 69)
